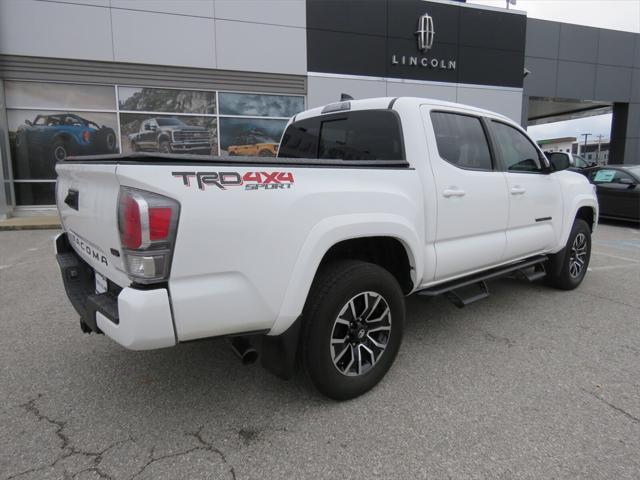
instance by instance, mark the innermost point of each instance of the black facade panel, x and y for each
(379, 38)
(347, 53)
(485, 66)
(368, 17)
(495, 30)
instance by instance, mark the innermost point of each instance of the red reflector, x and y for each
(85, 135)
(159, 223)
(132, 229)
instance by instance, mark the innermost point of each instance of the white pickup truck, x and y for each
(308, 256)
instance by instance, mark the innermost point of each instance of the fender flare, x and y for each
(579, 202)
(328, 233)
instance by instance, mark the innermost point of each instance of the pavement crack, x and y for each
(66, 449)
(60, 425)
(203, 446)
(208, 446)
(612, 406)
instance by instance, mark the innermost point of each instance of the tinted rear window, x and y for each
(360, 135)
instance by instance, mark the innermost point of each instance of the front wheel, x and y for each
(165, 147)
(576, 259)
(354, 320)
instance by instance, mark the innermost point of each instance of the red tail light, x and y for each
(159, 223)
(131, 228)
(86, 135)
(148, 224)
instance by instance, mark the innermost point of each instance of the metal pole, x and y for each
(585, 135)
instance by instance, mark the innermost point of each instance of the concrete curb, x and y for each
(48, 222)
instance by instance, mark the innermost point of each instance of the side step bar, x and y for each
(463, 291)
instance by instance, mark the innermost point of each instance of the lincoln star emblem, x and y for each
(425, 32)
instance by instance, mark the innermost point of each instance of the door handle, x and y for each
(453, 192)
(518, 190)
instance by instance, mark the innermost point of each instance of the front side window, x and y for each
(517, 152)
(359, 135)
(461, 140)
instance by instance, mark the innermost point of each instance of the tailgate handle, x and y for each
(72, 199)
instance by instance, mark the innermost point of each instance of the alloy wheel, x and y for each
(578, 255)
(360, 333)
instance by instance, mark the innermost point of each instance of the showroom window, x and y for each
(251, 124)
(47, 122)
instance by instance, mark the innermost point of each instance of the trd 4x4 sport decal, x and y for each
(250, 180)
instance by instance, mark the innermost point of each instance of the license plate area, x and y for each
(101, 284)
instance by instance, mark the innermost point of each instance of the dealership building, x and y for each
(223, 76)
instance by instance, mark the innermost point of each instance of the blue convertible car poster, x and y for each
(40, 139)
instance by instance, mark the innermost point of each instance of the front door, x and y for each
(472, 200)
(535, 197)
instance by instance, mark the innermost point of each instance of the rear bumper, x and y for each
(135, 318)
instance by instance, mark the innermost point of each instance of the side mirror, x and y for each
(627, 181)
(28, 122)
(559, 161)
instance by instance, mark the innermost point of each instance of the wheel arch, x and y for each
(387, 240)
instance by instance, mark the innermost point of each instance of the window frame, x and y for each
(545, 170)
(483, 124)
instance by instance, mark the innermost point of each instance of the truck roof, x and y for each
(387, 102)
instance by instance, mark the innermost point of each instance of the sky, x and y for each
(614, 14)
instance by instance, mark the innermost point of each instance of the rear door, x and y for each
(472, 200)
(87, 200)
(535, 197)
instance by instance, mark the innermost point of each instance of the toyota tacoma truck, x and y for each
(306, 258)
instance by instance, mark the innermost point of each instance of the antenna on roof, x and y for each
(344, 97)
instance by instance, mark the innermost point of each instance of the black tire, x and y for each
(334, 287)
(265, 153)
(577, 253)
(59, 150)
(165, 147)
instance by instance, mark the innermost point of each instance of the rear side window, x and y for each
(461, 140)
(359, 135)
(518, 153)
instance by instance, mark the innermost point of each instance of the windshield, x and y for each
(163, 122)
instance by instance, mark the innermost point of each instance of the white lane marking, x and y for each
(613, 267)
(634, 260)
(4, 266)
(32, 250)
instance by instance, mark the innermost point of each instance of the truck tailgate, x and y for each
(87, 199)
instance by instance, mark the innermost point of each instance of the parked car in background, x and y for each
(618, 191)
(61, 135)
(577, 163)
(171, 135)
(254, 144)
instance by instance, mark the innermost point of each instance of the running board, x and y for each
(464, 291)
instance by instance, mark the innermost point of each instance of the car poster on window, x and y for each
(250, 137)
(39, 139)
(175, 134)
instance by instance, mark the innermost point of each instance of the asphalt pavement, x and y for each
(529, 383)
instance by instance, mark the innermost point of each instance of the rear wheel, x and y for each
(354, 319)
(576, 258)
